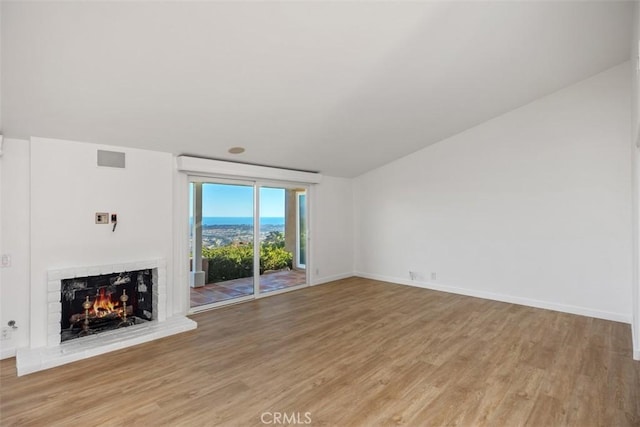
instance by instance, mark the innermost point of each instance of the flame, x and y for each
(103, 305)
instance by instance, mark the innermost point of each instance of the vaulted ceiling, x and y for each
(337, 87)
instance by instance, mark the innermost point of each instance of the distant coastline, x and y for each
(241, 220)
(223, 230)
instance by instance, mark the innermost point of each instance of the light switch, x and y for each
(6, 261)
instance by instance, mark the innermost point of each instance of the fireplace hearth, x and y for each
(95, 304)
(54, 353)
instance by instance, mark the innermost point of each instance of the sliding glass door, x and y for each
(246, 240)
(222, 241)
(280, 239)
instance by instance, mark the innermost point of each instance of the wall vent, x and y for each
(110, 159)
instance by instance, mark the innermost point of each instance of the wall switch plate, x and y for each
(5, 334)
(102, 218)
(5, 261)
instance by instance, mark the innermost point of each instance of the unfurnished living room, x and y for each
(324, 213)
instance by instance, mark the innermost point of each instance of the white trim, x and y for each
(214, 179)
(241, 170)
(256, 239)
(635, 226)
(564, 308)
(181, 288)
(333, 278)
(220, 304)
(282, 291)
(54, 277)
(298, 194)
(308, 268)
(635, 343)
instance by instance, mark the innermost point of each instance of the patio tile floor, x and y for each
(222, 291)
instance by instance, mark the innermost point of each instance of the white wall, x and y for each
(636, 251)
(51, 190)
(14, 228)
(635, 142)
(67, 189)
(332, 229)
(532, 207)
(635, 60)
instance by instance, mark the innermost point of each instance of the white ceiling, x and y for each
(336, 87)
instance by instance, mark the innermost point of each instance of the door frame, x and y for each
(298, 239)
(257, 184)
(224, 181)
(286, 186)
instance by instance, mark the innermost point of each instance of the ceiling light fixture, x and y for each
(236, 150)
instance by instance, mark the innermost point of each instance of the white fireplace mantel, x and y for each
(30, 360)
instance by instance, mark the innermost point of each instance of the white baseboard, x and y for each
(6, 353)
(635, 342)
(327, 279)
(564, 308)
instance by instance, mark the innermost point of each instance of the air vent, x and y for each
(110, 159)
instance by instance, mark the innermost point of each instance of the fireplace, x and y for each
(150, 308)
(95, 304)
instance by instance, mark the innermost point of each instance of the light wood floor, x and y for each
(354, 352)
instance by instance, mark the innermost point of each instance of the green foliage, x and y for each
(274, 258)
(229, 262)
(236, 261)
(274, 239)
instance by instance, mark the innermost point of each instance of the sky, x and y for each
(237, 201)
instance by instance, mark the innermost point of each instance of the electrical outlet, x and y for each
(433, 275)
(102, 218)
(416, 275)
(6, 261)
(5, 334)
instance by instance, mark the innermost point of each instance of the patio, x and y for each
(230, 289)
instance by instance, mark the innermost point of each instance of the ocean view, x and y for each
(230, 220)
(222, 230)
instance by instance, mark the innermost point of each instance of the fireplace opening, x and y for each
(95, 304)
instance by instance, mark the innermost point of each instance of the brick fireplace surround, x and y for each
(30, 360)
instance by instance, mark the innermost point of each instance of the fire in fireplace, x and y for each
(97, 304)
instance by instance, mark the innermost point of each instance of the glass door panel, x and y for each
(222, 242)
(301, 238)
(280, 236)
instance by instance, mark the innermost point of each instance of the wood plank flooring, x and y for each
(351, 353)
